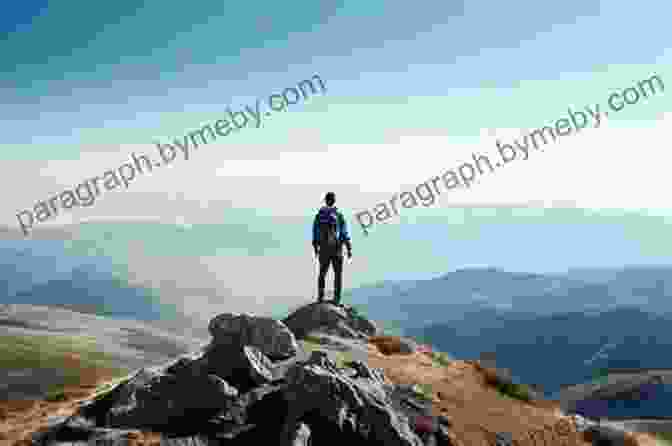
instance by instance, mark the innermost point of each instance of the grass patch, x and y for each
(25, 352)
(313, 339)
(441, 359)
(55, 395)
(424, 391)
(664, 437)
(106, 388)
(340, 358)
(517, 391)
(506, 387)
(55, 352)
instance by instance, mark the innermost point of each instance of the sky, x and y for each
(412, 89)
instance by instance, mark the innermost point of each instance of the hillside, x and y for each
(558, 349)
(457, 402)
(35, 340)
(552, 330)
(62, 274)
(412, 304)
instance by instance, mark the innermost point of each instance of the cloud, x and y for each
(607, 167)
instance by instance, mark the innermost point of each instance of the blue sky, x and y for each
(413, 88)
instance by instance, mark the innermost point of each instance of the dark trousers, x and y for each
(337, 262)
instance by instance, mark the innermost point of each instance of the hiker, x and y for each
(330, 233)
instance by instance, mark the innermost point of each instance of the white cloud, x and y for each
(605, 167)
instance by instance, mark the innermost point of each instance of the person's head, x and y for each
(330, 198)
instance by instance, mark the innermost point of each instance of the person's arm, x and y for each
(316, 234)
(345, 236)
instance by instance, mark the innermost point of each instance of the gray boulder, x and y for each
(607, 436)
(270, 336)
(154, 399)
(357, 407)
(64, 436)
(244, 367)
(192, 440)
(301, 435)
(361, 324)
(407, 346)
(504, 439)
(117, 437)
(330, 319)
(189, 365)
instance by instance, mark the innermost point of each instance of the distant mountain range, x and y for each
(559, 349)
(85, 290)
(445, 298)
(40, 273)
(548, 329)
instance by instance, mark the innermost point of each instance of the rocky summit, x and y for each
(322, 375)
(255, 384)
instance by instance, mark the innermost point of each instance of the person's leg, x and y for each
(324, 267)
(338, 278)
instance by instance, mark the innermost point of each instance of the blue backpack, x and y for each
(328, 227)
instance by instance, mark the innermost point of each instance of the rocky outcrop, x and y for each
(243, 366)
(154, 400)
(330, 319)
(254, 385)
(358, 405)
(270, 336)
(610, 436)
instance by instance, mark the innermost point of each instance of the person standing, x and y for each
(330, 233)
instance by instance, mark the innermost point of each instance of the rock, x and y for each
(494, 375)
(330, 319)
(429, 439)
(582, 424)
(256, 417)
(192, 440)
(153, 399)
(259, 365)
(358, 408)
(235, 431)
(78, 422)
(609, 436)
(188, 365)
(98, 436)
(394, 345)
(445, 420)
(406, 400)
(244, 367)
(258, 406)
(360, 323)
(270, 336)
(504, 439)
(444, 436)
(344, 330)
(280, 368)
(301, 435)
